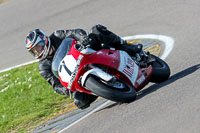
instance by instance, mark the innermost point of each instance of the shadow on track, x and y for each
(172, 79)
(155, 87)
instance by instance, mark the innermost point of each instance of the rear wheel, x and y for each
(118, 92)
(161, 70)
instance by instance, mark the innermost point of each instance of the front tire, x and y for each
(161, 70)
(124, 95)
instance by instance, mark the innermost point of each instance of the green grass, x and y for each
(27, 99)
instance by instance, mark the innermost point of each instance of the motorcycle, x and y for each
(109, 73)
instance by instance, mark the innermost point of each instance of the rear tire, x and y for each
(160, 72)
(124, 95)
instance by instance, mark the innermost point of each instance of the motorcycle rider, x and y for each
(43, 47)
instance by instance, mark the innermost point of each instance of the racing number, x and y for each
(65, 67)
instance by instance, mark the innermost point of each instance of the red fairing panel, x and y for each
(105, 57)
(143, 78)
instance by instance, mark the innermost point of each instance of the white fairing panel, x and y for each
(67, 66)
(97, 72)
(128, 67)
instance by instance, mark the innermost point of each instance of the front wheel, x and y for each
(161, 70)
(120, 92)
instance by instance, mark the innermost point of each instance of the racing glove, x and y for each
(85, 41)
(83, 100)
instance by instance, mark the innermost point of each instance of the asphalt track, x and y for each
(172, 106)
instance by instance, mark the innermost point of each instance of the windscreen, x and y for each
(60, 54)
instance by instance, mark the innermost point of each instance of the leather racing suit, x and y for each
(100, 38)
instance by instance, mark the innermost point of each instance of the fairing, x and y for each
(73, 65)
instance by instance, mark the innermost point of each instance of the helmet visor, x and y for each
(38, 50)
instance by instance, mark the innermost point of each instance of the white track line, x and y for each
(169, 43)
(7, 69)
(167, 40)
(96, 109)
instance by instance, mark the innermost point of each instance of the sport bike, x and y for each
(109, 73)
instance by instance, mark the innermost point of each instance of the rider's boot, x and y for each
(131, 49)
(99, 34)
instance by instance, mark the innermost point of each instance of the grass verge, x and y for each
(26, 99)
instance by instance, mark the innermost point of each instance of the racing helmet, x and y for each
(38, 44)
